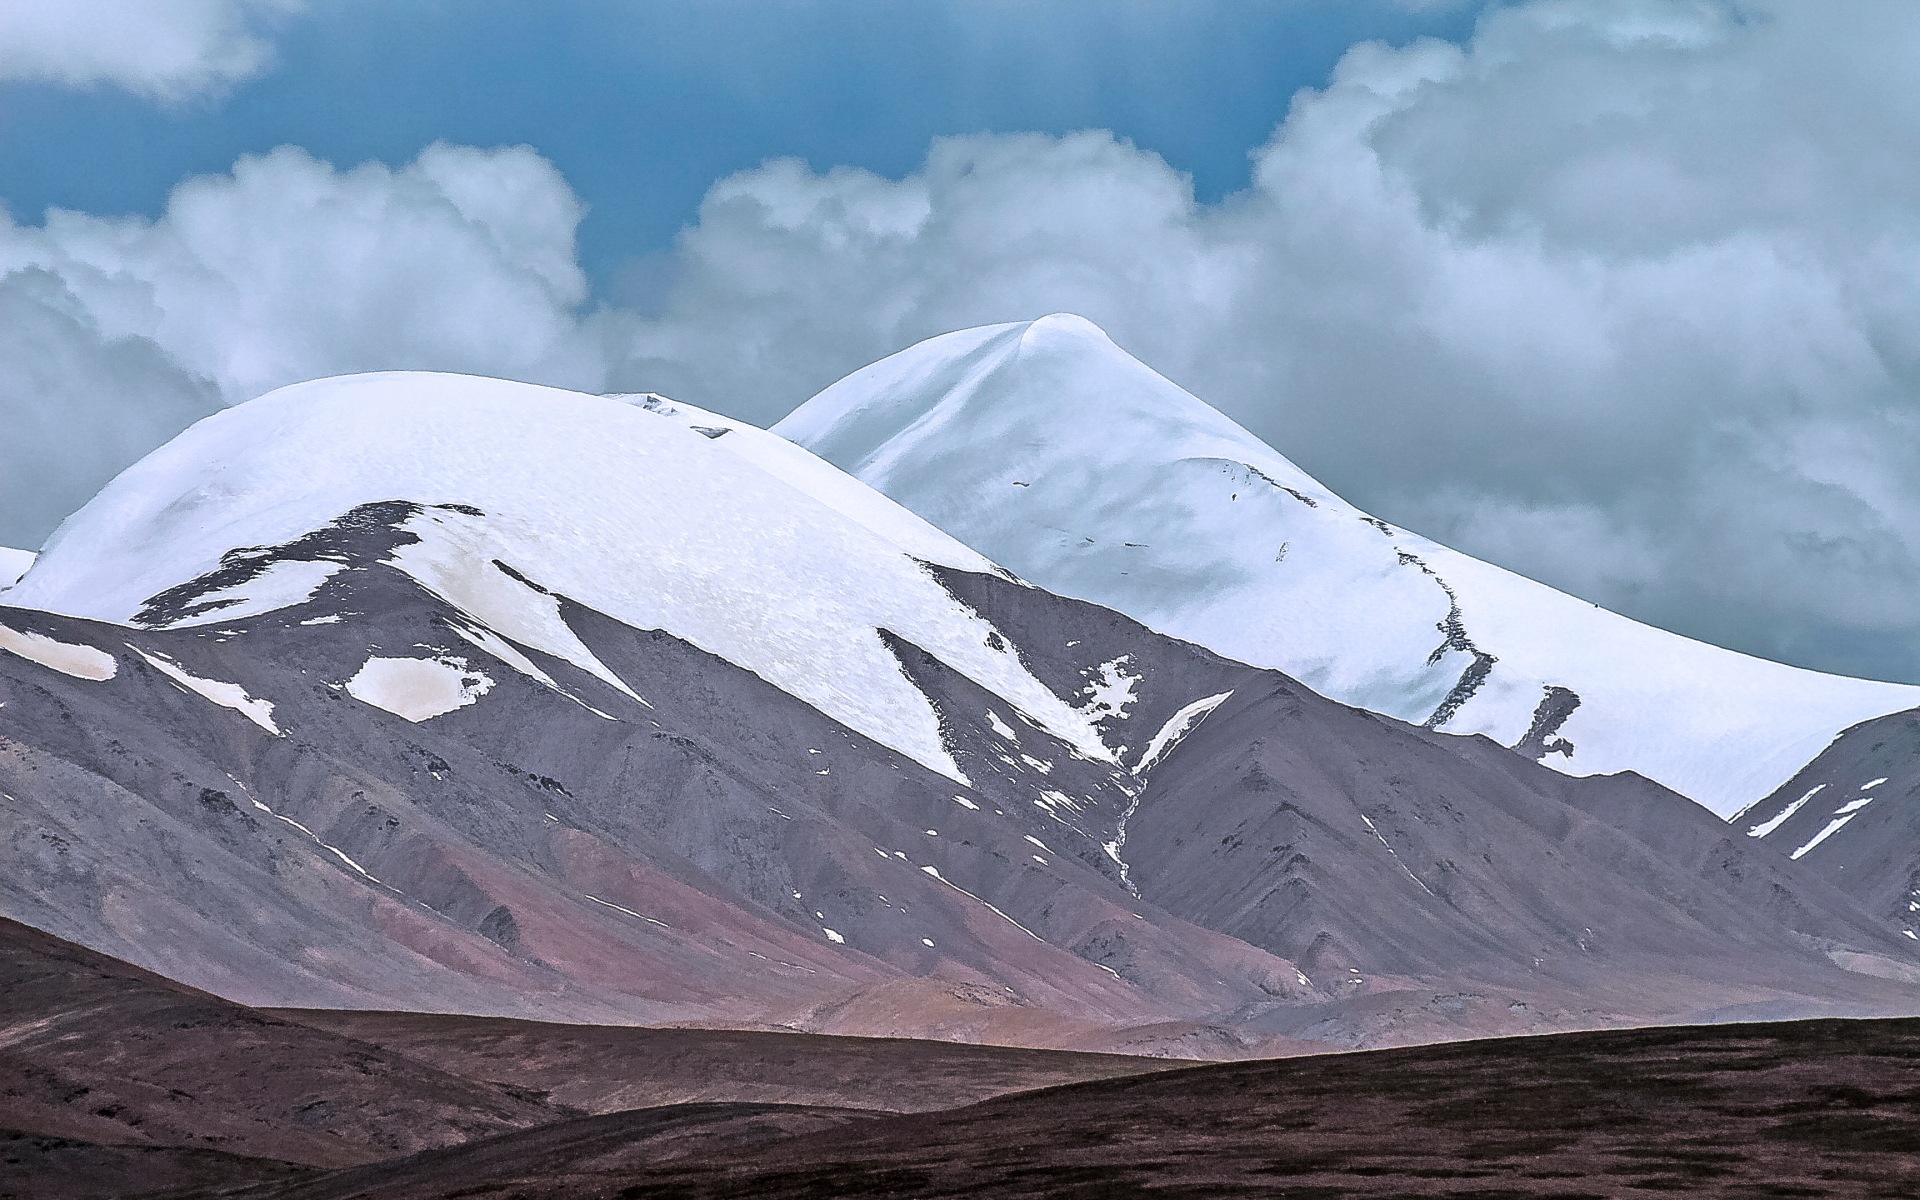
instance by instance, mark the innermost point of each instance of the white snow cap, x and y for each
(788, 570)
(1048, 448)
(13, 564)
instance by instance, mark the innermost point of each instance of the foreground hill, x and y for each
(1052, 451)
(1806, 1109)
(116, 1076)
(432, 693)
(116, 1082)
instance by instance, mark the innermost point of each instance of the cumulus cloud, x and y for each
(165, 50)
(1622, 293)
(115, 334)
(77, 403)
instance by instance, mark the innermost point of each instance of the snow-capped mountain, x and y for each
(646, 520)
(1055, 453)
(525, 670)
(422, 691)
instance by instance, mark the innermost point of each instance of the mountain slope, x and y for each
(420, 692)
(356, 739)
(115, 1082)
(1807, 1109)
(1053, 452)
(1852, 816)
(1422, 880)
(98, 1051)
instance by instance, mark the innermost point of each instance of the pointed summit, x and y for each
(1006, 387)
(1051, 450)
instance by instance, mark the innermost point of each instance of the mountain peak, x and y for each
(511, 495)
(1008, 391)
(1056, 453)
(1065, 326)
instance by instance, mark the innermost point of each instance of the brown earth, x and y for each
(605, 1069)
(115, 1082)
(93, 1050)
(1816, 1108)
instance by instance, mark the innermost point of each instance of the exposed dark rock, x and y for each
(1548, 716)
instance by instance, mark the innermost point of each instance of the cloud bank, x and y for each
(166, 50)
(116, 334)
(1624, 294)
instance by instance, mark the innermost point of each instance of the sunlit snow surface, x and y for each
(13, 564)
(1050, 450)
(418, 689)
(740, 544)
(81, 662)
(282, 585)
(226, 695)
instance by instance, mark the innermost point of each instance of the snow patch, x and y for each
(935, 872)
(1395, 854)
(1834, 826)
(336, 851)
(418, 689)
(283, 584)
(1113, 691)
(226, 695)
(1780, 818)
(80, 662)
(629, 912)
(455, 560)
(1177, 727)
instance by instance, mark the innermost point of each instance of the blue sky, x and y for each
(643, 106)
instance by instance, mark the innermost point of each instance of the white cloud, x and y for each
(117, 333)
(165, 50)
(76, 403)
